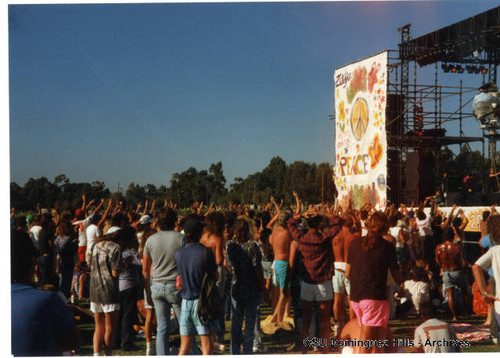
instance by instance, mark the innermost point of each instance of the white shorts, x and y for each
(316, 292)
(104, 308)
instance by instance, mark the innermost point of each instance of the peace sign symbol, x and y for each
(359, 118)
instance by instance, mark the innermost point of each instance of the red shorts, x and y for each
(81, 253)
(373, 313)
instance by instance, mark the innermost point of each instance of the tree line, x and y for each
(314, 183)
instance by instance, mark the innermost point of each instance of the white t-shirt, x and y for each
(492, 259)
(430, 335)
(82, 228)
(417, 292)
(424, 226)
(93, 231)
(34, 235)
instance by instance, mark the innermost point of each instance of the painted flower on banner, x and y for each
(378, 119)
(375, 151)
(342, 116)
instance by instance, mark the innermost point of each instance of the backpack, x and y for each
(210, 303)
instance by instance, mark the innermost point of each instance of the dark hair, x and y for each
(241, 231)
(265, 218)
(22, 256)
(94, 219)
(486, 215)
(126, 238)
(419, 274)
(448, 234)
(456, 222)
(421, 215)
(117, 219)
(45, 220)
(314, 221)
(81, 266)
(377, 226)
(64, 228)
(215, 223)
(167, 219)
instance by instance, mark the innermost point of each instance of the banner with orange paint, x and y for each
(360, 137)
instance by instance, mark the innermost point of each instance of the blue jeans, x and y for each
(240, 312)
(165, 296)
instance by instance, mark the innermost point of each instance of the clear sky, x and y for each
(136, 92)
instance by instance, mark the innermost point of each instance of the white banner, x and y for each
(360, 137)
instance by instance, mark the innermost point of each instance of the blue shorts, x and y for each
(190, 324)
(280, 270)
(454, 279)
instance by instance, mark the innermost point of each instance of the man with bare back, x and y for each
(280, 240)
(341, 286)
(449, 257)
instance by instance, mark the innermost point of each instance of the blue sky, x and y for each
(136, 92)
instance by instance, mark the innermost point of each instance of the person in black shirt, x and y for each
(368, 262)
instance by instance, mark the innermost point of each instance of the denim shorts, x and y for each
(190, 324)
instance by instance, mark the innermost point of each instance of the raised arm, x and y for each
(153, 205)
(99, 207)
(106, 213)
(465, 220)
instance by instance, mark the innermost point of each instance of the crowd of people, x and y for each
(328, 274)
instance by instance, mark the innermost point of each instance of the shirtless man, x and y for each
(280, 240)
(341, 286)
(212, 235)
(449, 257)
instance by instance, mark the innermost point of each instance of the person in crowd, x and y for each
(193, 262)
(244, 260)
(34, 229)
(81, 223)
(150, 311)
(315, 250)
(66, 248)
(46, 241)
(41, 325)
(416, 292)
(94, 230)
(212, 238)
(449, 257)
(490, 241)
(80, 285)
(159, 251)
(280, 240)
(368, 263)
(129, 283)
(104, 291)
(341, 286)
(433, 330)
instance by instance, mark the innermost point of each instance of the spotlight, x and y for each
(453, 69)
(445, 68)
(470, 69)
(483, 70)
(460, 69)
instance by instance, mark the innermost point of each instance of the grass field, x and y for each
(278, 342)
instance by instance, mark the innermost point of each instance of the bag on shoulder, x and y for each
(209, 304)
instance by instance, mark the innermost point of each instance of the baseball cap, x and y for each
(78, 212)
(145, 219)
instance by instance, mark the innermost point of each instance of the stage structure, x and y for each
(418, 116)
